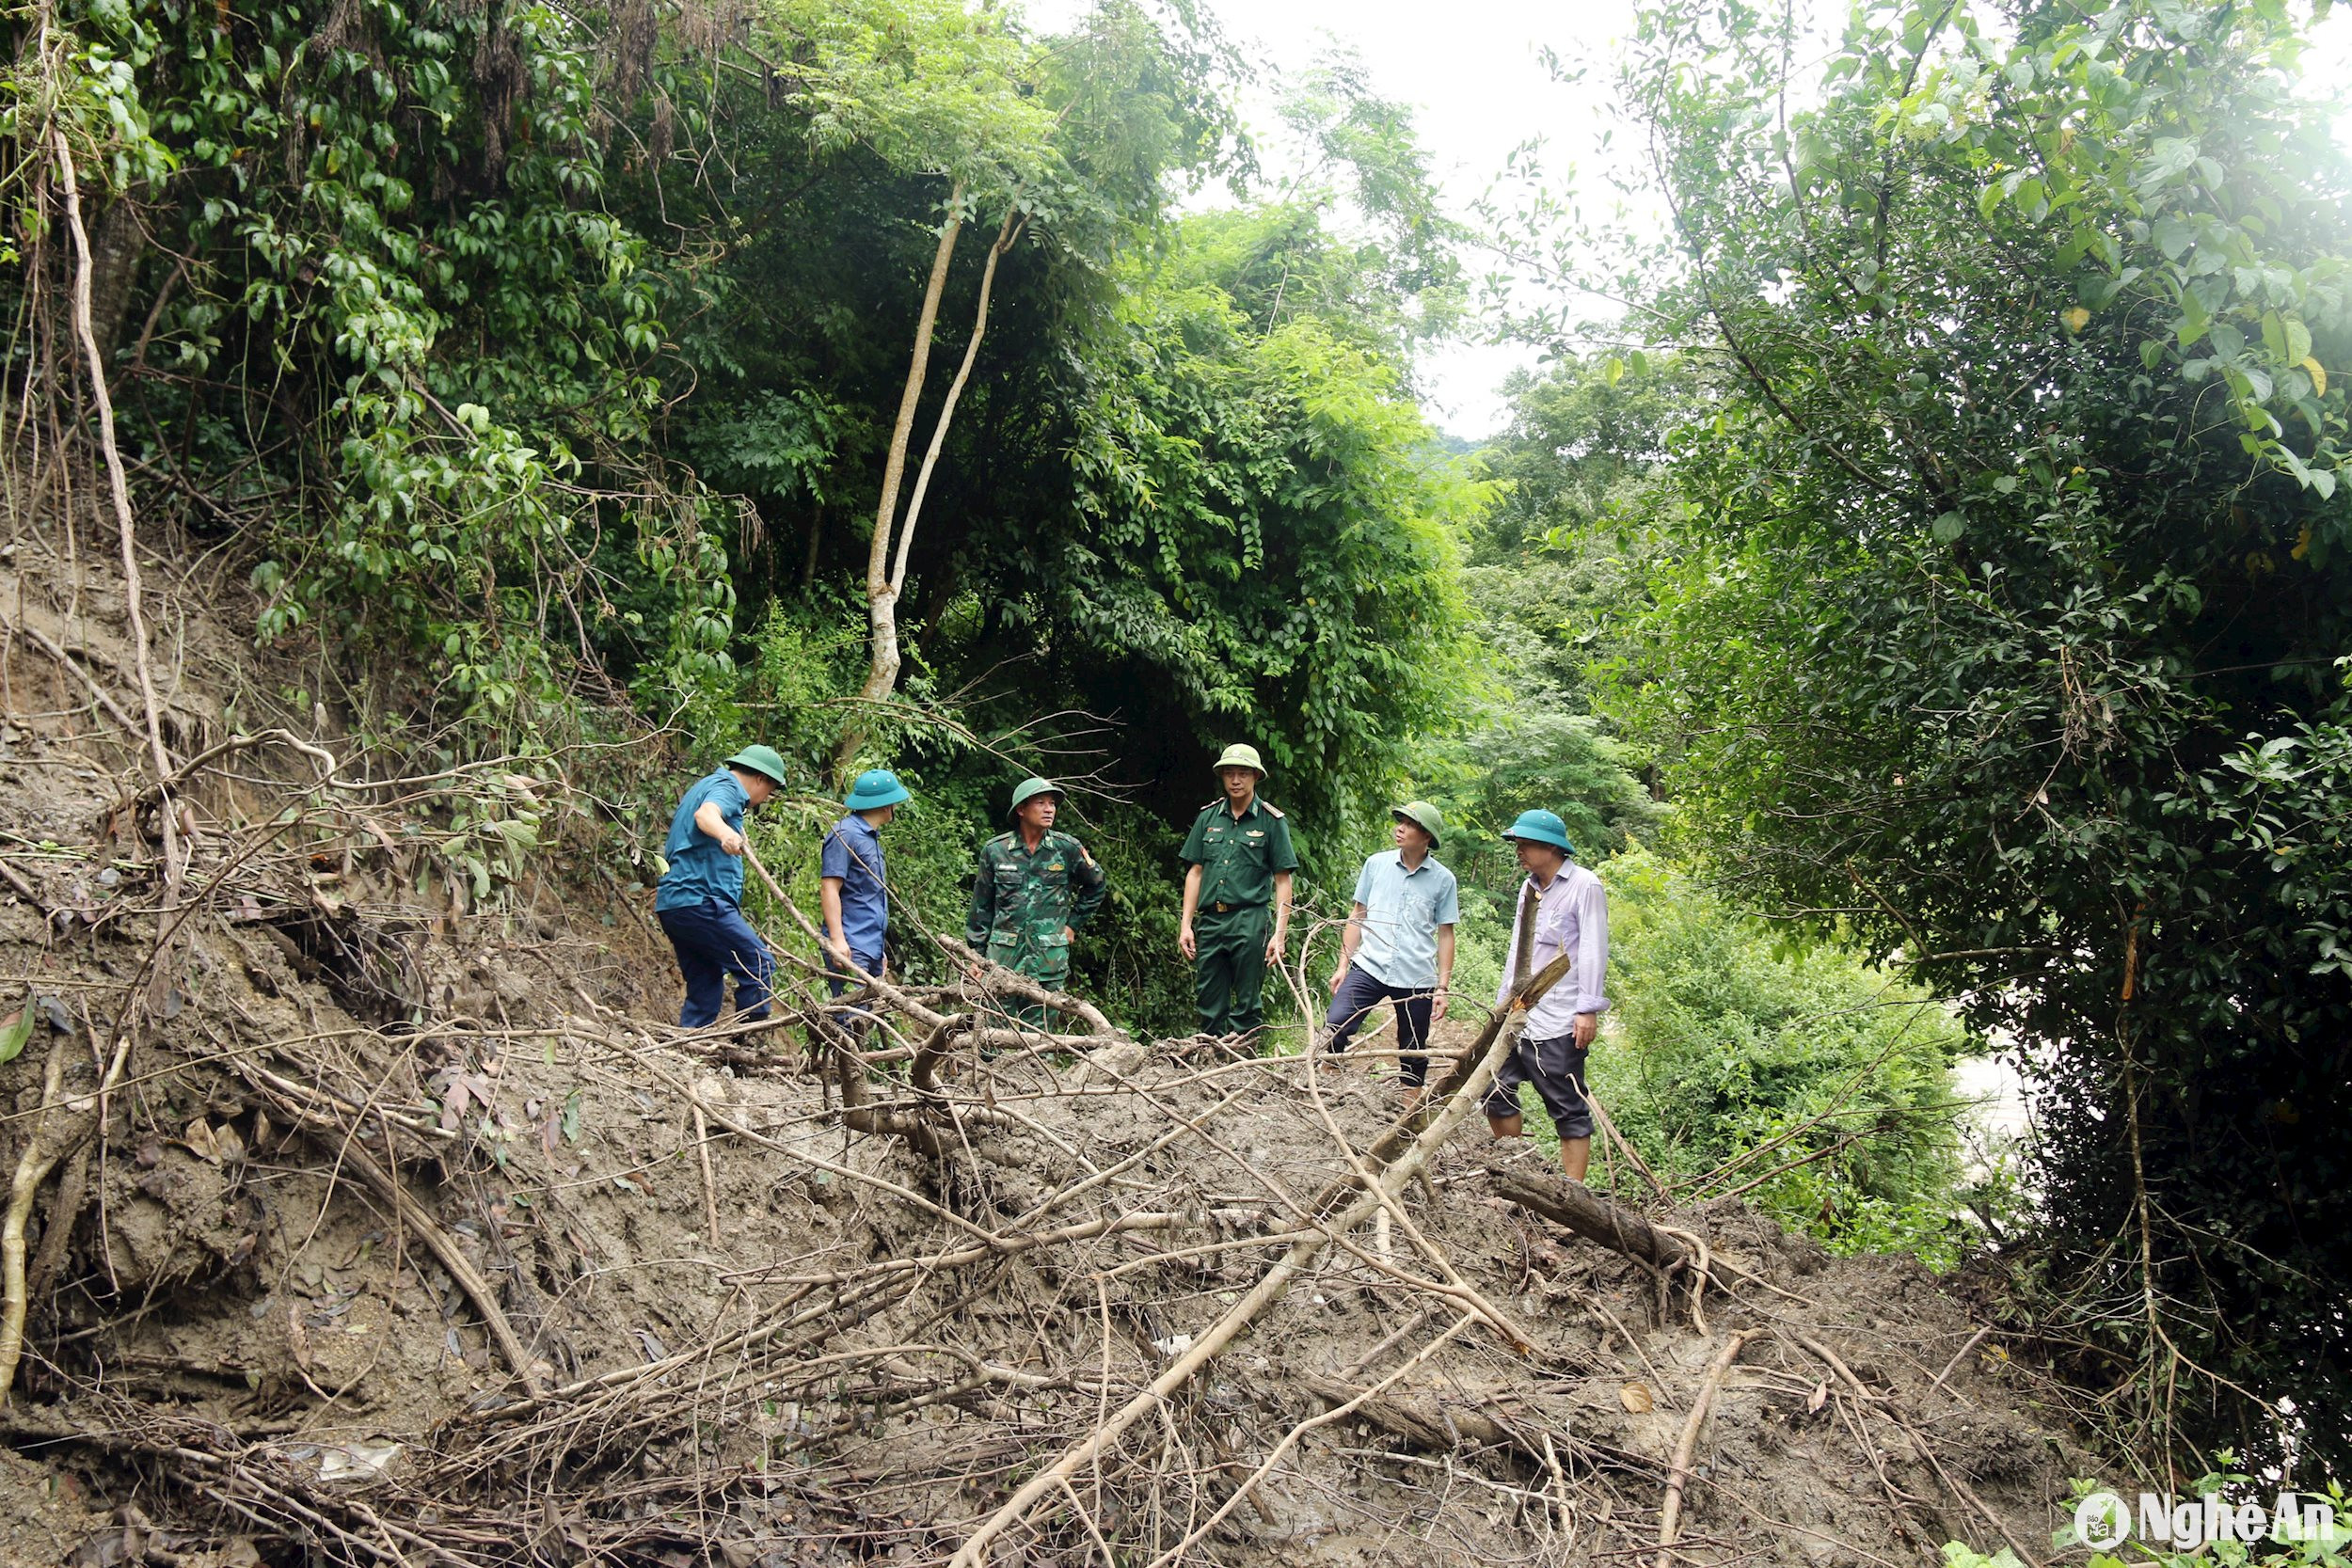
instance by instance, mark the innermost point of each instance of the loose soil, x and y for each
(414, 1234)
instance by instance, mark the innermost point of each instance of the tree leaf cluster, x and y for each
(2003, 622)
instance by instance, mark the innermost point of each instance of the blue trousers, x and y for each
(1359, 993)
(837, 980)
(714, 940)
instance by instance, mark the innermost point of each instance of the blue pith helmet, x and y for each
(876, 787)
(1542, 827)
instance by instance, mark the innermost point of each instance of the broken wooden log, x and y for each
(1429, 1420)
(1577, 1208)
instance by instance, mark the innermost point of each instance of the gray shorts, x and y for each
(1556, 1067)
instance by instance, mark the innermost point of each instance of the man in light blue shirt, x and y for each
(1562, 908)
(1399, 945)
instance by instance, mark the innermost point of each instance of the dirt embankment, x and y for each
(408, 1232)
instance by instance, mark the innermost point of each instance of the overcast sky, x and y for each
(1472, 71)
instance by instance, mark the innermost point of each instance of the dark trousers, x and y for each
(1359, 993)
(1046, 961)
(714, 940)
(1229, 973)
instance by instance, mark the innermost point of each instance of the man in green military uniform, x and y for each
(1237, 897)
(1035, 888)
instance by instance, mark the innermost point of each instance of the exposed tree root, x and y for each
(1678, 1473)
(43, 1146)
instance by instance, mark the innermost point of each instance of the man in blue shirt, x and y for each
(699, 901)
(1399, 945)
(856, 904)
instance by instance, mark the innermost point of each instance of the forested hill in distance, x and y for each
(1917, 574)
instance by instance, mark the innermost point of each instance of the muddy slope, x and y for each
(412, 1234)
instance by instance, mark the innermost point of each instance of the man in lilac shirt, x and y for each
(1562, 909)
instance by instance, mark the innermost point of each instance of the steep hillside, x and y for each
(376, 1216)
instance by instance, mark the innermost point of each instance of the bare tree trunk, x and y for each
(882, 608)
(116, 246)
(1592, 1216)
(881, 592)
(1006, 233)
(816, 539)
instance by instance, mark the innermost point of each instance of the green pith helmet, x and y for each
(760, 759)
(1423, 815)
(875, 788)
(1029, 789)
(1238, 756)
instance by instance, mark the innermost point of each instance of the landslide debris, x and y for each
(409, 1232)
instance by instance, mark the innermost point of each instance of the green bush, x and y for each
(1727, 1035)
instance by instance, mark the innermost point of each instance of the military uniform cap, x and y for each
(1238, 756)
(1423, 815)
(1029, 789)
(759, 759)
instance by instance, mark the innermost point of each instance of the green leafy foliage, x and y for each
(16, 1029)
(404, 325)
(1265, 542)
(1732, 1041)
(2002, 625)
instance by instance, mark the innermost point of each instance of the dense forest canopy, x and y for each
(1933, 608)
(2006, 623)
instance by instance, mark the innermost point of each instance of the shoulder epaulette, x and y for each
(1272, 810)
(1212, 805)
(1000, 840)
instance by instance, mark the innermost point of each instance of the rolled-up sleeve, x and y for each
(1591, 947)
(1503, 991)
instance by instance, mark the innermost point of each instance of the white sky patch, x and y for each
(1472, 70)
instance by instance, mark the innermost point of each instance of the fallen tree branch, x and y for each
(1679, 1476)
(1426, 1420)
(1919, 1449)
(1580, 1209)
(1617, 1141)
(104, 698)
(119, 491)
(1459, 1091)
(996, 979)
(1343, 1405)
(1472, 1063)
(443, 1245)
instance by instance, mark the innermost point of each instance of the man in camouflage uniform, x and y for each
(1035, 888)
